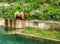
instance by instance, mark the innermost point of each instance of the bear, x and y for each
(21, 15)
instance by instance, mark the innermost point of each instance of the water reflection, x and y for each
(6, 30)
(9, 29)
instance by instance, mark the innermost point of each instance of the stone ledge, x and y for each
(39, 37)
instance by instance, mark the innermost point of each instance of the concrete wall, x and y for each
(29, 23)
(2, 22)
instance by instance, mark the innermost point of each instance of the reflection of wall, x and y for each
(29, 23)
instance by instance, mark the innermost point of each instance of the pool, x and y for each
(15, 39)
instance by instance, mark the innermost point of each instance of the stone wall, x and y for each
(2, 22)
(30, 23)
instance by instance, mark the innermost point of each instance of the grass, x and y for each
(41, 32)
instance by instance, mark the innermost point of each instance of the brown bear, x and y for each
(21, 15)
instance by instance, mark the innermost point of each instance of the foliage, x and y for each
(36, 9)
(42, 32)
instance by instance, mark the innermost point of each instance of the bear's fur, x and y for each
(21, 15)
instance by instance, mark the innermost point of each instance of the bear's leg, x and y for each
(14, 17)
(23, 17)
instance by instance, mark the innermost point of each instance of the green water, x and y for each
(16, 39)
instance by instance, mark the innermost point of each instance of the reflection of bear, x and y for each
(21, 15)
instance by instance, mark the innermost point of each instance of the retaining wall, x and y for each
(29, 23)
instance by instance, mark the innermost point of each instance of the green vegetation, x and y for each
(42, 32)
(36, 9)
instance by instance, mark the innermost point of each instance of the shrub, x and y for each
(38, 9)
